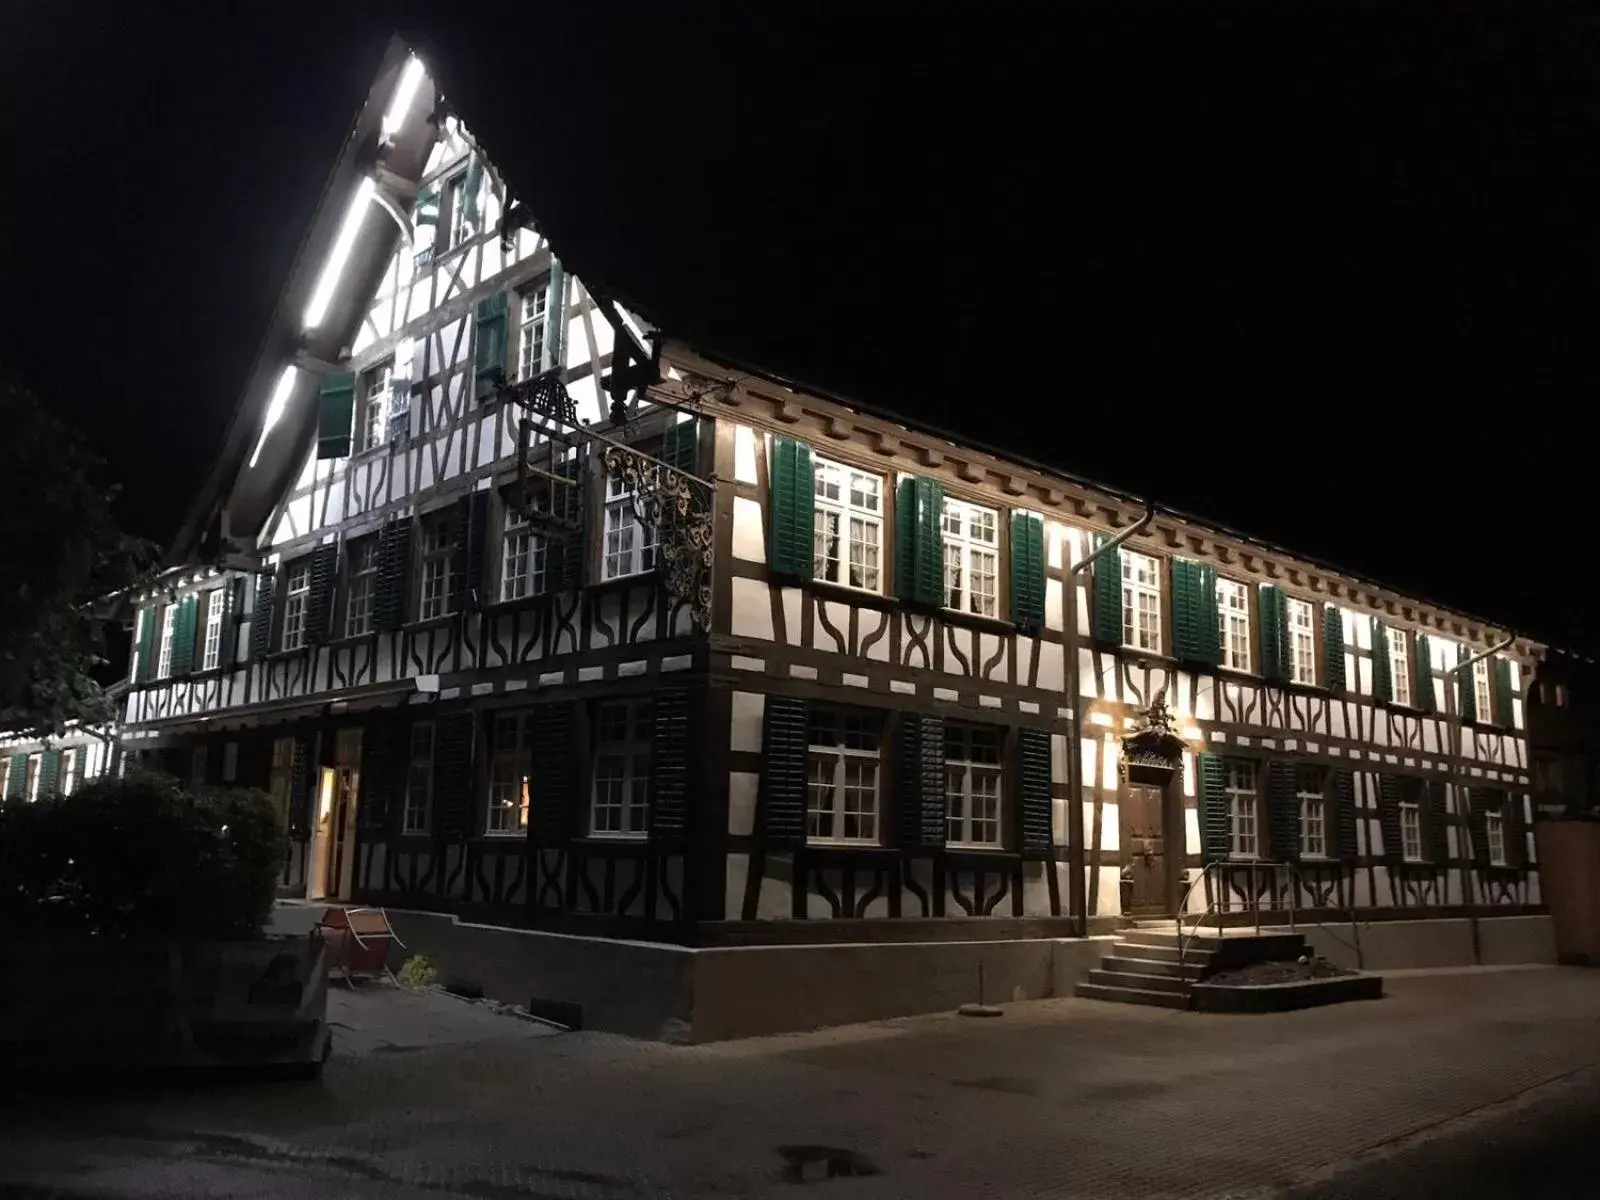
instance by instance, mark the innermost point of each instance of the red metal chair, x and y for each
(358, 941)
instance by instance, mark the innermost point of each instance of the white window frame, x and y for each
(297, 594)
(1411, 830)
(30, 780)
(1302, 642)
(66, 773)
(628, 546)
(1483, 691)
(1399, 665)
(361, 587)
(417, 814)
(435, 587)
(837, 771)
(1141, 601)
(970, 781)
(532, 317)
(211, 653)
(463, 225)
(1239, 783)
(169, 617)
(507, 811)
(625, 763)
(1233, 624)
(522, 558)
(1313, 804)
(377, 382)
(138, 630)
(851, 517)
(970, 535)
(1494, 836)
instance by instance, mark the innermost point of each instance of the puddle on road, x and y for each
(811, 1164)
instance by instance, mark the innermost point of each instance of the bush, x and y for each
(418, 971)
(139, 857)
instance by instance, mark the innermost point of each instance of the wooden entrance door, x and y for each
(1144, 842)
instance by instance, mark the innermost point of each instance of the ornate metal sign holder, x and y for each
(1153, 754)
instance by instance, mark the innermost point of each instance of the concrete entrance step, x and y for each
(1110, 977)
(1193, 953)
(1136, 964)
(1129, 995)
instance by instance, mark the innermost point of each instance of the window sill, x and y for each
(422, 626)
(612, 839)
(504, 607)
(849, 595)
(650, 577)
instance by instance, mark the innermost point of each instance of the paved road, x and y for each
(429, 1097)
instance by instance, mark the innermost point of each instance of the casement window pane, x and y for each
(438, 554)
(1141, 602)
(1399, 666)
(620, 800)
(630, 545)
(211, 655)
(280, 778)
(1302, 643)
(164, 657)
(522, 559)
(66, 778)
(508, 775)
(971, 557)
(848, 529)
(294, 607)
(972, 785)
(1410, 831)
(842, 773)
(1239, 785)
(1313, 812)
(419, 779)
(1233, 620)
(362, 586)
(530, 332)
(1494, 830)
(376, 385)
(463, 223)
(30, 781)
(1481, 690)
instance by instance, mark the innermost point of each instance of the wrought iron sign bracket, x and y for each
(677, 506)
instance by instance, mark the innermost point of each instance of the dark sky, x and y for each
(1325, 274)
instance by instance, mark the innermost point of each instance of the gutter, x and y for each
(1467, 895)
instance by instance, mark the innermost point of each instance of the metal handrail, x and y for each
(1295, 878)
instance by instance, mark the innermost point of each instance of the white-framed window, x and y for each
(1482, 691)
(1494, 833)
(169, 615)
(534, 309)
(419, 779)
(620, 804)
(138, 633)
(30, 782)
(1399, 666)
(1239, 785)
(67, 776)
(1302, 643)
(376, 383)
(972, 785)
(630, 545)
(842, 776)
(1141, 602)
(362, 587)
(508, 774)
(971, 558)
(294, 606)
(438, 557)
(280, 779)
(522, 558)
(463, 221)
(1411, 830)
(211, 653)
(1309, 795)
(1233, 624)
(848, 539)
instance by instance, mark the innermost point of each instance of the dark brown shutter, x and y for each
(393, 591)
(319, 599)
(261, 614)
(453, 779)
(301, 789)
(672, 759)
(553, 815)
(1344, 814)
(919, 781)
(1033, 791)
(1389, 794)
(784, 744)
(385, 751)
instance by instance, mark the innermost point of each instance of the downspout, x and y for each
(1076, 862)
(1466, 875)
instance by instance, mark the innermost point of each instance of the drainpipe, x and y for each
(1464, 681)
(1074, 747)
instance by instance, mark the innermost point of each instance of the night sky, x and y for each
(1328, 278)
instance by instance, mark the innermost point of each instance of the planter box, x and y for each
(1283, 997)
(85, 1006)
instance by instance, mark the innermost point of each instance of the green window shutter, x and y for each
(147, 642)
(231, 597)
(553, 733)
(1107, 595)
(453, 778)
(1034, 800)
(793, 504)
(1216, 832)
(1502, 692)
(261, 614)
(385, 746)
(1027, 571)
(681, 446)
(489, 346)
(335, 414)
(1466, 688)
(50, 773)
(1422, 673)
(17, 776)
(472, 193)
(1196, 636)
(567, 563)
(319, 600)
(1274, 608)
(390, 599)
(781, 803)
(1382, 685)
(1480, 801)
(1389, 794)
(425, 222)
(183, 628)
(301, 789)
(1283, 811)
(673, 759)
(555, 316)
(920, 781)
(1433, 812)
(919, 541)
(1344, 814)
(1332, 648)
(1516, 829)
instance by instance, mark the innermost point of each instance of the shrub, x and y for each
(139, 857)
(418, 971)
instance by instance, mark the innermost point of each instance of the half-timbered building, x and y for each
(528, 613)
